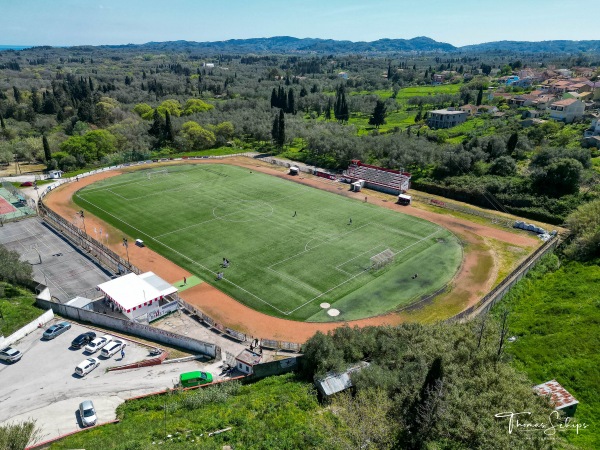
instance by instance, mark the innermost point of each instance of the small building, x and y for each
(144, 297)
(560, 398)
(55, 174)
(404, 199)
(334, 382)
(246, 360)
(343, 75)
(81, 303)
(209, 65)
(566, 110)
(445, 118)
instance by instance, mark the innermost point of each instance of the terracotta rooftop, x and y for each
(558, 394)
(565, 102)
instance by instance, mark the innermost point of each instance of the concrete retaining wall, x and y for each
(29, 328)
(137, 329)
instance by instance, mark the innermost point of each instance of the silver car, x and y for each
(56, 330)
(11, 355)
(87, 412)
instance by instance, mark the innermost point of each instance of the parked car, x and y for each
(56, 330)
(11, 355)
(98, 343)
(86, 366)
(83, 339)
(87, 412)
(112, 348)
(195, 378)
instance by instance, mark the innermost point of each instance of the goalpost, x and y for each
(157, 173)
(380, 260)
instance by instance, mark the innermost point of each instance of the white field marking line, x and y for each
(382, 245)
(339, 236)
(118, 195)
(46, 277)
(187, 258)
(295, 281)
(206, 221)
(358, 274)
(220, 217)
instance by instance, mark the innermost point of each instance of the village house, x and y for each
(445, 118)
(566, 110)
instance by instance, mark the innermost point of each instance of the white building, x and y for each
(144, 297)
(446, 118)
(566, 110)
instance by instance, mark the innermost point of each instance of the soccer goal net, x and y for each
(157, 173)
(382, 259)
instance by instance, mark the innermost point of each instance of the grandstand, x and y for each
(377, 178)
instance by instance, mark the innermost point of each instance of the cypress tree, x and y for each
(274, 98)
(2, 124)
(512, 142)
(328, 110)
(291, 106)
(480, 96)
(168, 132)
(275, 130)
(389, 71)
(378, 116)
(35, 101)
(281, 133)
(17, 94)
(47, 152)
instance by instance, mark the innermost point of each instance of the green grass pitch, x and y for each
(291, 247)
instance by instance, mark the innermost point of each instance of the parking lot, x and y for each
(43, 386)
(66, 271)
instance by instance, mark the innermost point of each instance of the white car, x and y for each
(98, 343)
(112, 348)
(11, 355)
(86, 366)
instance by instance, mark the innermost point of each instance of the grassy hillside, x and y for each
(17, 307)
(278, 412)
(555, 317)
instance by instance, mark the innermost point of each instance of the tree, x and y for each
(275, 129)
(280, 129)
(560, 177)
(503, 166)
(584, 224)
(196, 137)
(378, 117)
(328, 110)
(169, 133)
(479, 96)
(12, 269)
(512, 142)
(340, 108)
(2, 124)
(47, 152)
(196, 105)
(365, 419)
(19, 435)
(291, 104)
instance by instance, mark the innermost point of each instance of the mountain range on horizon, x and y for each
(288, 44)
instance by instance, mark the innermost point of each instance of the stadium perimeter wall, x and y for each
(78, 237)
(497, 293)
(137, 329)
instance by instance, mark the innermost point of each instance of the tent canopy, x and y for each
(130, 291)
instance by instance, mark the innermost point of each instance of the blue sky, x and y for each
(458, 22)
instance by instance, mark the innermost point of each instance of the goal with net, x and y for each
(157, 173)
(382, 259)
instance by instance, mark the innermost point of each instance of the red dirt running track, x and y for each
(231, 313)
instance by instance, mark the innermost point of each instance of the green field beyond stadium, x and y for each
(293, 249)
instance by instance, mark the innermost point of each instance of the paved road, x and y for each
(43, 386)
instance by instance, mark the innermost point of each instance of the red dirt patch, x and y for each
(469, 284)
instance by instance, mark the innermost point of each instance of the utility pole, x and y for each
(126, 245)
(82, 220)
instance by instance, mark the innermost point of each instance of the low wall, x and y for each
(275, 367)
(497, 293)
(29, 328)
(137, 329)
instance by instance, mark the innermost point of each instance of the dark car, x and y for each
(56, 330)
(83, 339)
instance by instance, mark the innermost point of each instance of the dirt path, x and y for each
(470, 283)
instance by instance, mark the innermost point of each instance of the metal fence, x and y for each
(115, 263)
(497, 293)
